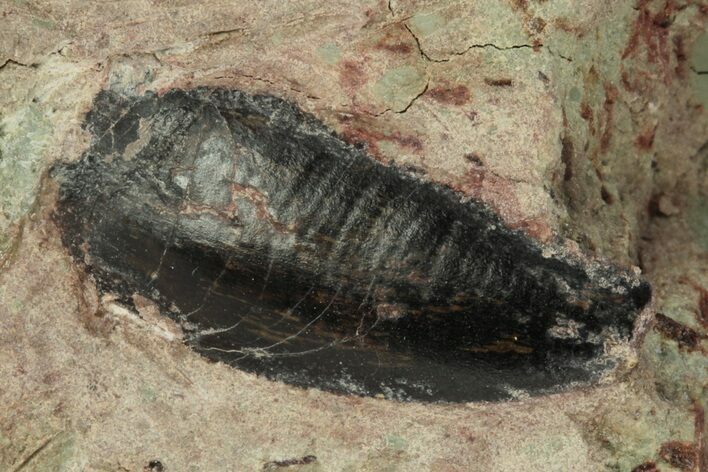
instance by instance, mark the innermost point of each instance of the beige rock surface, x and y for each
(584, 119)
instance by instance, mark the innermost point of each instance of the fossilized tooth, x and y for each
(285, 251)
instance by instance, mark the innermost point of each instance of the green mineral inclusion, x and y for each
(329, 53)
(398, 85)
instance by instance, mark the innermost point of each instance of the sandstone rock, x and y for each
(566, 118)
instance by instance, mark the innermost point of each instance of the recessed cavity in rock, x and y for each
(283, 250)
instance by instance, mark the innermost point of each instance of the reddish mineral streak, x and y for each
(702, 309)
(699, 436)
(586, 112)
(645, 140)
(566, 25)
(652, 29)
(567, 152)
(680, 454)
(354, 134)
(394, 47)
(352, 75)
(458, 95)
(474, 158)
(648, 466)
(686, 337)
(503, 82)
(611, 94)
(681, 57)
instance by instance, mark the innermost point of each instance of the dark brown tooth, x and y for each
(298, 256)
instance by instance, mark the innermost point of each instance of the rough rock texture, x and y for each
(582, 119)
